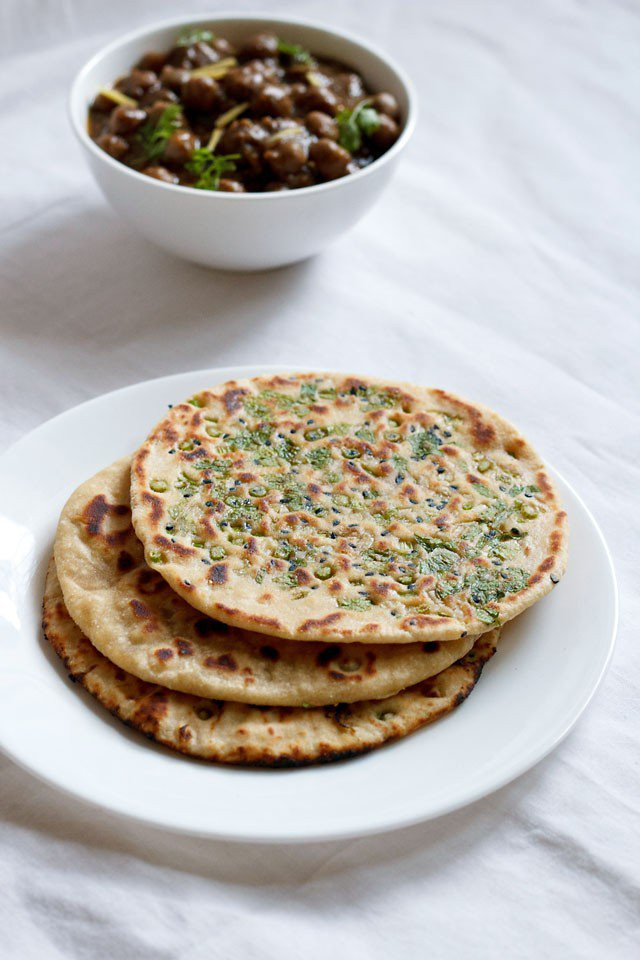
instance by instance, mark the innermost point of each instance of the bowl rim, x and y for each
(220, 196)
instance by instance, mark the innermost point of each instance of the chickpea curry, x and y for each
(264, 116)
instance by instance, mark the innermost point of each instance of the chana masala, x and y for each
(265, 115)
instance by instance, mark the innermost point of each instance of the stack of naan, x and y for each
(295, 569)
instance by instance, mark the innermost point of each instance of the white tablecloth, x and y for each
(502, 263)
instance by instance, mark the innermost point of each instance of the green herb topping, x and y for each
(153, 136)
(208, 167)
(293, 50)
(363, 120)
(189, 37)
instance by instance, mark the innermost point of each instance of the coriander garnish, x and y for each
(209, 167)
(353, 124)
(154, 134)
(293, 50)
(189, 37)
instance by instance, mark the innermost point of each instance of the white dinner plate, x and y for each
(546, 670)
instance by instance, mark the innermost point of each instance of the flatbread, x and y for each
(326, 506)
(132, 616)
(242, 734)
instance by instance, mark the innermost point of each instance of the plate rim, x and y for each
(379, 825)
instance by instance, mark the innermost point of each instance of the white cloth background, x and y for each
(502, 263)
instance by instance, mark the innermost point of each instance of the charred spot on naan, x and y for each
(109, 522)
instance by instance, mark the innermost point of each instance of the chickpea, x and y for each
(230, 186)
(386, 134)
(155, 112)
(320, 98)
(180, 147)
(115, 146)
(160, 95)
(126, 119)
(201, 53)
(272, 100)
(386, 103)
(246, 138)
(262, 46)
(201, 93)
(321, 125)
(139, 82)
(152, 61)
(240, 83)
(331, 160)
(102, 104)
(223, 47)
(173, 77)
(286, 156)
(161, 173)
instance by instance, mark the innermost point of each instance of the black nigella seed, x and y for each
(527, 493)
(310, 421)
(412, 501)
(170, 405)
(385, 533)
(198, 443)
(446, 433)
(419, 520)
(171, 451)
(332, 536)
(555, 578)
(453, 486)
(335, 523)
(440, 470)
(371, 574)
(399, 478)
(209, 503)
(291, 431)
(169, 527)
(224, 524)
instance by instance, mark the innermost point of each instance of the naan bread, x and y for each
(132, 616)
(326, 506)
(239, 733)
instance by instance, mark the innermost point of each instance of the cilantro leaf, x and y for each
(153, 136)
(208, 167)
(297, 53)
(353, 124)
(189, 37)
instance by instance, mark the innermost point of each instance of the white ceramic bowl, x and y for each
(251, 231)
